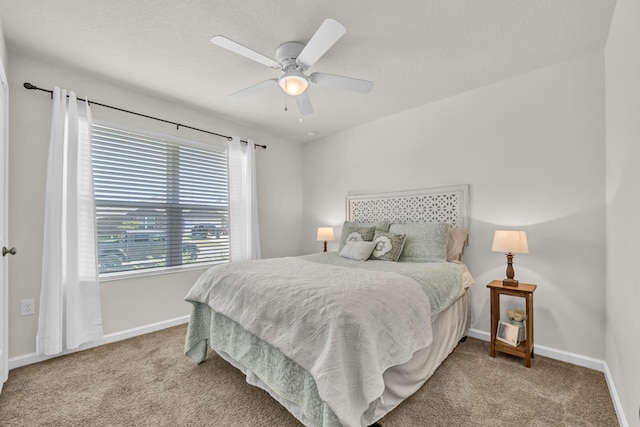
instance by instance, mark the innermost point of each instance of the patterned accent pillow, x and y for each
(357, 250)
(349, 227)
(425, 242)
(388, 246)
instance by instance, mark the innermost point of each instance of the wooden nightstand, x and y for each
(523, 290)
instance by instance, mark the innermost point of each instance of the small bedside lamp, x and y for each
(325, 233)
(511, 242)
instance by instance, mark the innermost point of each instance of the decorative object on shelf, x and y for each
(325, 234)
(508, 333)
(510, 242)
(517, 318)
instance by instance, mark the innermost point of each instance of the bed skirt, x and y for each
(401, 381)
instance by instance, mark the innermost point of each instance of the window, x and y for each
(160, 201)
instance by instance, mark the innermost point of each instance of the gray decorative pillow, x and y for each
(357, 250)
(349, 227)
(388, 246)
(425, 242)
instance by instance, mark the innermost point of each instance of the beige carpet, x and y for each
(148, 381)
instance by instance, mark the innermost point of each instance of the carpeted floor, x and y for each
(147, 381)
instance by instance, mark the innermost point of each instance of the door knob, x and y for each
(6, 251)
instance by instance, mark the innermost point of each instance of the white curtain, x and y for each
(70, 313)
(243, 202)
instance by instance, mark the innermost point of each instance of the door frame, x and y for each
(4, 180)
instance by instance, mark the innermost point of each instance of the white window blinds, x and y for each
(160, 202)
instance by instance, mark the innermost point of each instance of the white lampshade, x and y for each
(510, 241)
(325, 234)
(293, 83)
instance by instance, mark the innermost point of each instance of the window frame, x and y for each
(171, 269)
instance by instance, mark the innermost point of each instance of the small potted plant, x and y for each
(517, 318)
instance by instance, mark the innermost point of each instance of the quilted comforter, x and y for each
(339, 327)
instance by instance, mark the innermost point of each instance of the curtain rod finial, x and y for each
(28, 85)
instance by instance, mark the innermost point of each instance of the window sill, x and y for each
(126, 275)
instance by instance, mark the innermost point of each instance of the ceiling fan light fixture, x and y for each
(293, 83)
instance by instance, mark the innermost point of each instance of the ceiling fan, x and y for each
(294, 59)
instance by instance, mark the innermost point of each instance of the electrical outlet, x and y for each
(27, 307)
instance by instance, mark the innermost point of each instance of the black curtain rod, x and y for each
(178, 125)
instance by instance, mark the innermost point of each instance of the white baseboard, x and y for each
(574, 359)
(28, 359)
(552, 353)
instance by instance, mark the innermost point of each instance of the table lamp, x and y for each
(325, 233)
(510, 242)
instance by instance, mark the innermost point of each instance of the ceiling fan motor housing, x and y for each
(287, 54)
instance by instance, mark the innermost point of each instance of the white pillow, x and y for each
(357, 250)
(364, 229)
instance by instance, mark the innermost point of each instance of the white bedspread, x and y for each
(345, 326)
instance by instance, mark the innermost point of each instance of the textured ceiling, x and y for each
(415, 51)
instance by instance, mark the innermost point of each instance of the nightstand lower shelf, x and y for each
(520, 350)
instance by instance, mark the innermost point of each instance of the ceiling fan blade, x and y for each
(341, 82)
(245, 51)
(255, 88)
(304, 103)
(325, 36)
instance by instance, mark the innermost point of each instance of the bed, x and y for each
(341, 338)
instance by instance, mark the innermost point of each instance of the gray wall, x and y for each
(532, 150)
(623, 205)
(131, 303)
(3, 48)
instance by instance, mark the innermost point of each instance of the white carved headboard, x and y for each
(443, 204)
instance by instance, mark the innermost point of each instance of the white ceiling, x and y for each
(415, 51)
